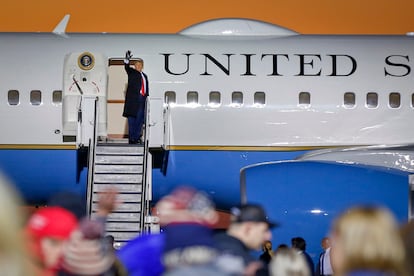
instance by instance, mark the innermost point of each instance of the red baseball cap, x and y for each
(54, 222)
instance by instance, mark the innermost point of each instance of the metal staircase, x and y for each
(111, 163)
(121, 166)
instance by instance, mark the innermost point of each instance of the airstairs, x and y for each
(120, 166)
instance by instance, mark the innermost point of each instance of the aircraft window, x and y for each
(13, 97)
(304, 98)
(259, 98)
(35, 97)
(169, 97)
(237, 98)
(372, 100)
(214, 98)
(57, 97)
(395, 100)
(192, 97)
(349, 99)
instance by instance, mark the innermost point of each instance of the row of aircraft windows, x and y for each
(13, 97)
(304, 98)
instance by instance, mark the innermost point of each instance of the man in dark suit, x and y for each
(300, 244)
(324, 267)
(135, 98)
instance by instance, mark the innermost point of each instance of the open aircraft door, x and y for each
(84, 75)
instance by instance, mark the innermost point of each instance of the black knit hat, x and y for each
(251, 213)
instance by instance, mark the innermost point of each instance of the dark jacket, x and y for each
(230, 245)
(369, 272)
(133, 99)
(233, 246)
(310, 263)
(141, 256)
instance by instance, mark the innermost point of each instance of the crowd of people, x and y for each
(60, 240)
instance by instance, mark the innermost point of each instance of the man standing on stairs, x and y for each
(135, 98)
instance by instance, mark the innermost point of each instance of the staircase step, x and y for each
(126, 207)
(109, 168)
(118, 159)
(118, 178)
(124, 217)
(122, 197)
(121, 188)
(124, 226)
(116, 150)
(121, 217)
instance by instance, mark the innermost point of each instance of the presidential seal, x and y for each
(86, 61)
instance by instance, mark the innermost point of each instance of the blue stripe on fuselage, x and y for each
(38, 174)
(216, 172)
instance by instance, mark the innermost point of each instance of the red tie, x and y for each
(142, 91)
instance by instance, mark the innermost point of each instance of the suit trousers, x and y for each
(135, 124)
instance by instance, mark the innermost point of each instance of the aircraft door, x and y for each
(84, 74)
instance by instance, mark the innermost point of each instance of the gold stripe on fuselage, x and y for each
(181, 148)
(37, 146)
(247, 148)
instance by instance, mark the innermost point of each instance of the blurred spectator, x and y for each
(267, 254)
(249, 229)
(186, 245)
(51, 227)
(288, 262)
(107, 202)
(48, 230)
(281, 246)
(324, 267)
(188, 216)
(365, 241)
(407, 232)
(14, 260)
(141, 256)
(73, 202)
(87, 253)
(109, 240)
(299, 244)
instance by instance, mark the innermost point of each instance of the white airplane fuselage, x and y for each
(238, 100)
(281, 68)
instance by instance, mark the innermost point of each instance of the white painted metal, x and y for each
(90, 82)
(86, 123)
(304, 64)
(235, 27)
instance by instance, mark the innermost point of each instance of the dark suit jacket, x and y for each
(310, 263)
(134, 99)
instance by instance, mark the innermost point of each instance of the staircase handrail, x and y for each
(91, 160)
(145, 203)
